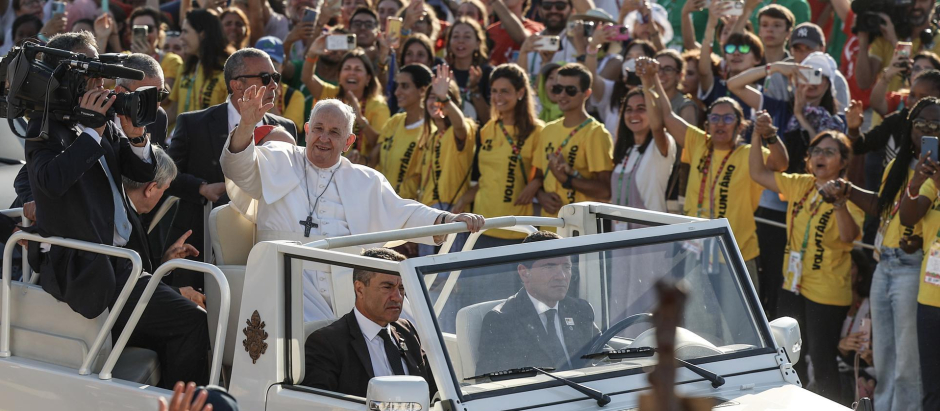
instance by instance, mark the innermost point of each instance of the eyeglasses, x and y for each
(667, 70)
(719, 118)
(362, 25)
(926, 126)
(163, 94)
(569, 90)
(265, 77)
(742, 48)
(559, 5)
(825, 152)
(172, 34)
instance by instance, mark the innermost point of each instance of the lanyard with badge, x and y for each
(697, 247)
(792, 279)
(932, 270)
(516, 151)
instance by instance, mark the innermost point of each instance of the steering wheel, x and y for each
(615, 329)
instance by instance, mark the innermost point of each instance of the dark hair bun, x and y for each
(420, 74)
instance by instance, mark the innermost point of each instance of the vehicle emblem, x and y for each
(254, 343)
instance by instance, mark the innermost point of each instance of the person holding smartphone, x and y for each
(821, 227)
(903, 67)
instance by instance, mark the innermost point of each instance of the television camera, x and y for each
(29, 85)
(869, 20)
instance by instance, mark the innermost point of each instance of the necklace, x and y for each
(308, 223)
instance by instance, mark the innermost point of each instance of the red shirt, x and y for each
(503, 46)
(849, 54)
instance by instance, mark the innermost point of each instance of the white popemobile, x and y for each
(53, 358)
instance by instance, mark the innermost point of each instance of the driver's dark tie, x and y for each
(392, 352)
(553, 343)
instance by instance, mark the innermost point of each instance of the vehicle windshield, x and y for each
(498, 315)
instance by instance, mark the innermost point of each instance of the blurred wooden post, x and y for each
(663, 378)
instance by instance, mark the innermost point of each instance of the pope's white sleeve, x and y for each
(242, 168)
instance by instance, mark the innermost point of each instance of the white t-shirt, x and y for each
(605, 107)
(652, 174)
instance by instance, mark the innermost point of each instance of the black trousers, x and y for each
(173, 326)
(772, 242)
(820, 326)
(928, 338)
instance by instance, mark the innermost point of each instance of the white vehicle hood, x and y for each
(788, 397)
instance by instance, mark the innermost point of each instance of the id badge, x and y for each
(879, 238)
(932, 272)
(791, 281)
(694, 246)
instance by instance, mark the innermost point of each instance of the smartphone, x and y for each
(629, 66)
(734, 8)
(903, 49)
(341, 42)
(929, 143)
(813, 76)
(310, 15)
(393, 29)
(105, 6)
(58, 7)
(140, 33)
(618, 33)
(865, 328)
(547, 43)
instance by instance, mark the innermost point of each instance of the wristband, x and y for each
(767, 70)
(908, 193)
(592, 50)
(312, 60)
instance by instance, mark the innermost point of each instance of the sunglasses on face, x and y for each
(265, 77)
(926, 126)
(825, 152)
(719, 118)
(559, 5)
(742, 48)
(163, 94)
(570, 90)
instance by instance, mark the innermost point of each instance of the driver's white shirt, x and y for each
(380, 361)
(541, 308)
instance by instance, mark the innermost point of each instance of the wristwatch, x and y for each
(770, 140)
(571, 177)
(139, 140)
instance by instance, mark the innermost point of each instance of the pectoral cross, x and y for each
(308, 224)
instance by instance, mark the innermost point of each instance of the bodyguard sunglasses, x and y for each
(265, 77)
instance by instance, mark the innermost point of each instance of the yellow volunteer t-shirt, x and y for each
(827, 260)
(399, 155)
(735, 195)
(194, 92)
(171, 63)
(375, 111)
(503, 176)
(293, 109)
(589, 151)
(445, 168)
(929, 293)
(884, 50)
(894, 231)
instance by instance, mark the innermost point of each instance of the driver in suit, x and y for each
(539, 326)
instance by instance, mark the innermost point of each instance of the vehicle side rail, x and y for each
(27, 270)
(430, 231)
(165, 268)
(105, 331)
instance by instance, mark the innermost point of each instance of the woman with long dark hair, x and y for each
(817, 290)
(201, 82)
(236, 27)
(504, 157)
(358, 87)
(899, 250)
(445, 147)
(467, 55)
(606, 95)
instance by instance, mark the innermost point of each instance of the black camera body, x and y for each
(868, 20)
(29, 85)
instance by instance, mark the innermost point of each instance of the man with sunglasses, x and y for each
(197, 145)
(573, 159)
(555, 15)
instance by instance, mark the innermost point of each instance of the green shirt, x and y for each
(674, 9)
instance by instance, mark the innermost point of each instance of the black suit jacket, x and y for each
(140, 242)
(196, 148)
(512, 335)
(157, 129)
(337, 358)
(74, 200)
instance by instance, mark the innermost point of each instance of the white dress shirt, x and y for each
(370, 330)
(541, 308)
(234, 117)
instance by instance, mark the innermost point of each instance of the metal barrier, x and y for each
(225, 302)
(784, 226)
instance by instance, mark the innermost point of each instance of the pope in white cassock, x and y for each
(304, 194)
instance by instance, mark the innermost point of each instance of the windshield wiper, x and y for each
(601, 398)
(716, 380)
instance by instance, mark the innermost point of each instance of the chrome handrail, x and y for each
(155, 279)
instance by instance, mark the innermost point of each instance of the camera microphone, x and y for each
(108, 70)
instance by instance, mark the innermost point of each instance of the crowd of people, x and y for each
(802, 122)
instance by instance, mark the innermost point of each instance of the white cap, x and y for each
(659, 15)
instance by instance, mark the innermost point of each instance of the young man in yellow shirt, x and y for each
(574, 157)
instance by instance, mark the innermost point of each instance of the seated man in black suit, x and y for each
(539, 326)
(370, 341)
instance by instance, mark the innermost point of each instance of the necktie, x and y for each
(392, 353)
(554, 344)
(121, 224)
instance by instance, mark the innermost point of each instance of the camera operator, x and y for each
(75, 173)
(153, 76)
(875, 54)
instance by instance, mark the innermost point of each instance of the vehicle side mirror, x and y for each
(787, 336)
(400, 392)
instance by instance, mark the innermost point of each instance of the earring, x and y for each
(520, 98)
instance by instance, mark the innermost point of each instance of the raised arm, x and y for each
(653, 88)
(308, 75)
(880, 91)
(601, 36)
(688, 23)
(741, 22)
(705, 77)
(914, 209)
(763, 128)
(511, 23)
(653, 111)
(443, 77)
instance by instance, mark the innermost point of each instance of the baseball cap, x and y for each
(808, 34)
(273, 46)
(822, 62)
(659, 15)
(594, 15)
